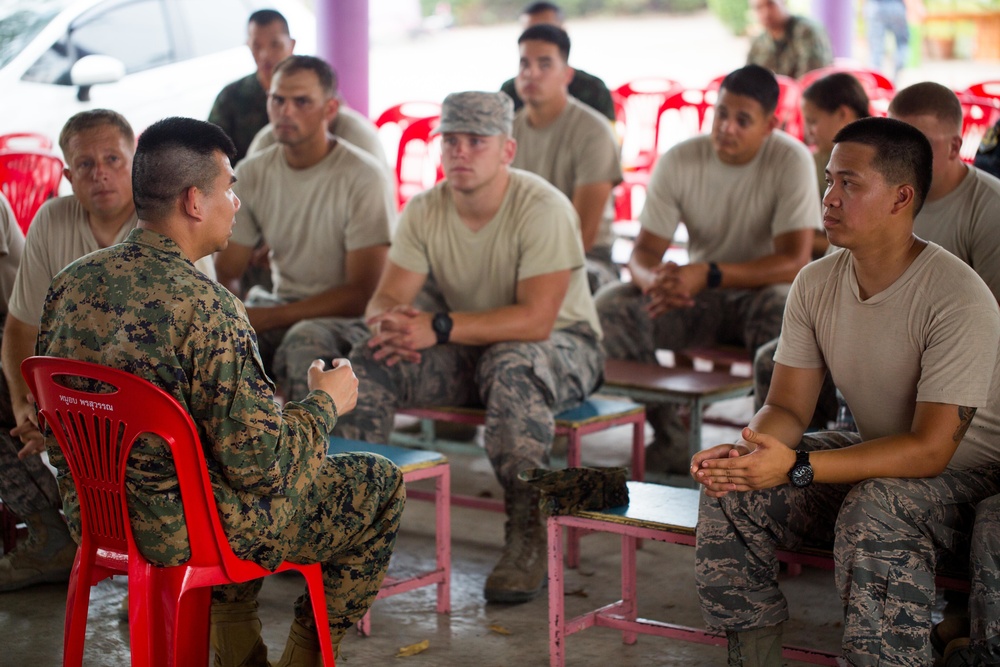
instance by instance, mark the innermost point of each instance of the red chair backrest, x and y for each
(25, 141)
(984, 89)
(391, 123)
(636, 107)
(684, 114)
(27, 179)
(979, 114)
(96, 428)
(418, 159)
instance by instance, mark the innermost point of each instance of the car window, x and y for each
(214, 26)
(134, 32)
(20, 22)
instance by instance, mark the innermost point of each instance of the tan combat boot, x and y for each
(520, 574)
(759, 647)
(235, 635)
(45, 557)
(302, 649)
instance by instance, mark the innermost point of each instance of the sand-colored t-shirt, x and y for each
(11, 247)
(732, 213)
(932, 336)
(577, 148)
(311, 218)
(966, 222)
(536, 231)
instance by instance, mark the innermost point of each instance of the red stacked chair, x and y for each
(27, 179)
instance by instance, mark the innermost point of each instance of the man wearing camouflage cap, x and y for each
(519, 333)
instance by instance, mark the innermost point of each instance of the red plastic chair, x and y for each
(985, 89)
(979, 114)
(636, 107)
(393, 121)
(25, 141)
(27, 179)
(418, 159)
(684, 114)
(168, 606)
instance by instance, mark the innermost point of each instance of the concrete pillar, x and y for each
(342, 40)
(837, 16)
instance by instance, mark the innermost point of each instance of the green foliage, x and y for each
(732, 13)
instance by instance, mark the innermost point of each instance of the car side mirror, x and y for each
(92, 70)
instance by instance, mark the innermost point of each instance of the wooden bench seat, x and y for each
(666, 514)
(415, 465)
(681, 385)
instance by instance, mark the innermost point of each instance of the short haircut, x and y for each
(755, 82)
(548, 33)
(293, 64)
(931, 99)
(837, 90)
(173, 155)
(539, 7)
(88, 120)
(263, 17)
(902, 152)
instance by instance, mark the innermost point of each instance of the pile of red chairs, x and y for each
(29, 173)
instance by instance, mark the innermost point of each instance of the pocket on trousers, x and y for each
(906, 619)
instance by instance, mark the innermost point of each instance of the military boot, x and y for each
(235, 635)
(520, 573)
(302, 649)
(759, 647)
(45, 557)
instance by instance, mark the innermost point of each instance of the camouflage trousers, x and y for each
(887, 536)
(348, 522)
(26, 486)
(521, 385)
(748, 318)
(984, 598)
(288, 353)
(601, 270)
(827, 404)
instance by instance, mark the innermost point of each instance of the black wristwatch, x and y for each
(442, 324)
(714, 275)
(801, 473)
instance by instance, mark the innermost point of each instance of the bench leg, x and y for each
(639, 448)
(573, 460)
(557, 609)
(694, 437)
(442, 537)
(628, 603)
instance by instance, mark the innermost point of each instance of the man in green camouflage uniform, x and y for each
(142, 306)
(584, 86)
(518, 334)
(910, 333)
(241, 107)
(789, 45)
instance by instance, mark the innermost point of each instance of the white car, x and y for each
(146, 59)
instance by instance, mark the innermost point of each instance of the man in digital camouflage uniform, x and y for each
(141, 306)
(747, 195)
(790, 45)
(241, 107)
(910, 335)
(583, 86)
(518, 333)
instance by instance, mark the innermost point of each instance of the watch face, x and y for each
(801, 475)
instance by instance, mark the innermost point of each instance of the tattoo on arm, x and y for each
(965, 416)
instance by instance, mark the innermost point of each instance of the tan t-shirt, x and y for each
(311, 218)
(732, 213)
(932, 336)
(11, 247)
(577, 148)
(966, 222)
(349, 125)
(536, 231)
(60, 234)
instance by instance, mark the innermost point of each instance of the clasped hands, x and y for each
(398, 334)
(674, 286)
(756, 461)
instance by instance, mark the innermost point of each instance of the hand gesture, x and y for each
(339, 382)
(757, 461)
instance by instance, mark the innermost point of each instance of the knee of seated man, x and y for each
(871, 499)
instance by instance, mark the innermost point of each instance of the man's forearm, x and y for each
(18, 344)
